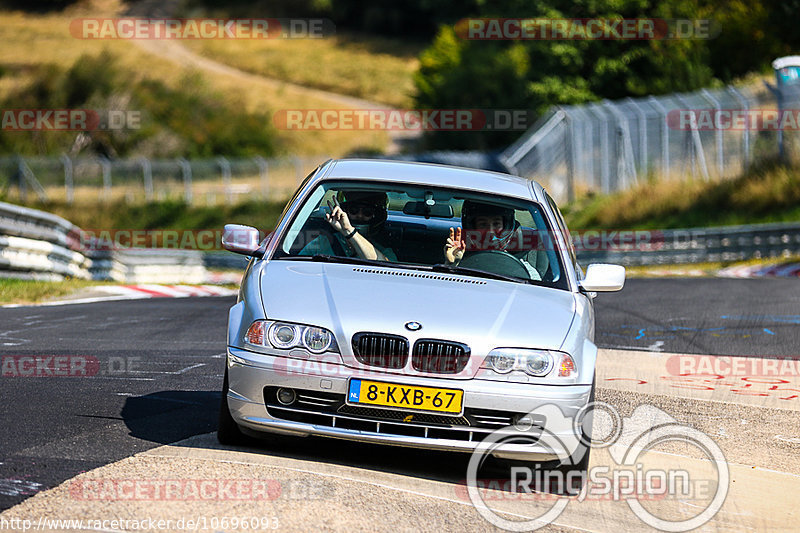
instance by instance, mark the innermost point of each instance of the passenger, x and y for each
(495, 228)
(358, 217)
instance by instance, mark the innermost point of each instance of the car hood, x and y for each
(479, 312)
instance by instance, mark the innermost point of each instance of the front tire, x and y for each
(228, 432)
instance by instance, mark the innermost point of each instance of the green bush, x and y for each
(189, 122)
(536, 74)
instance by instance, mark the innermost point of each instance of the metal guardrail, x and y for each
(39, 245)
(700, 245)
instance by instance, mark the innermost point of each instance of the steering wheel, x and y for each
(496, 261)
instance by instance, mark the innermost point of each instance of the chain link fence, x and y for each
(197, 181)
(609, 146)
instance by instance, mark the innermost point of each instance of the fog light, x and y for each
(523, 422)
(286, 396)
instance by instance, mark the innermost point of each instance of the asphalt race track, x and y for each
(160, 367)
(155, 369)
(702, 316)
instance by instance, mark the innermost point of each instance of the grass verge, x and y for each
(769, 192)
(18, 291)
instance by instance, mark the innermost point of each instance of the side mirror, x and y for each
(241, 240)
(603, 278)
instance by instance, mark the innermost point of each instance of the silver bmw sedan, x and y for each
(414, 305)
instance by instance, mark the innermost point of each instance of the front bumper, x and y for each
(489, 406)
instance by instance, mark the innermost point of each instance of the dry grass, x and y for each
(374, 69)
(16, 291)
(769, 192)
(31, 40)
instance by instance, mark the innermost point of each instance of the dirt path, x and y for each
(177, 53)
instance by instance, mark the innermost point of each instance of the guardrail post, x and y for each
(626, 167)
(225, 169)
(263, 169)
(570, 150)
(26, 177)
(105, 164)
(698, 156)
(69, 188)
(186, 174)
(746, 133)
(18, 179)
(605, 184)
(147, 177)
(717, 131)
(664, 135)
(642, 122)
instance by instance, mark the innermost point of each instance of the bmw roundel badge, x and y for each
(413, 326)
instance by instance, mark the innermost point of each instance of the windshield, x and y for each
(426, 228)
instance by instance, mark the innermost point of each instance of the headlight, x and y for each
(537, 363)
(501, 363)
(283, 335)
(317, 340)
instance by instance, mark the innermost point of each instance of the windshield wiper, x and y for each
(441, 267)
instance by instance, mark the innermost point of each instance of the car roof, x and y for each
(432, 174)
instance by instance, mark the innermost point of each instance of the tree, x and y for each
(536, 74)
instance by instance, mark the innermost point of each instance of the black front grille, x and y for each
(439, 357)
(380, 349)
(403, 416)
(474, 425)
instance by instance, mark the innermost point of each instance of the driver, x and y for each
(496, 227)
(358, 218)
